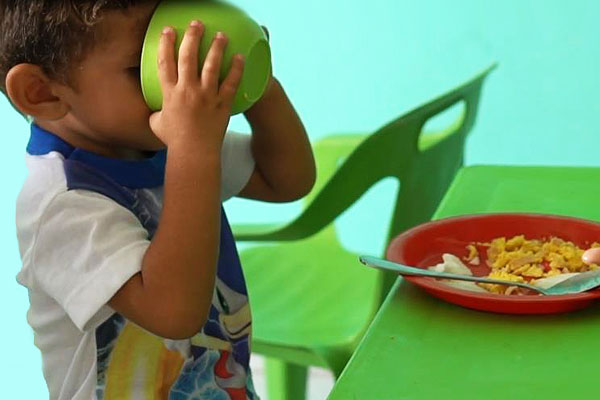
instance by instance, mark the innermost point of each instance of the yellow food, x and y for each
(521, 260)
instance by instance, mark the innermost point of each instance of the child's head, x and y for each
(73, 66)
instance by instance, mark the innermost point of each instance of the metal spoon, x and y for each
(576, 284)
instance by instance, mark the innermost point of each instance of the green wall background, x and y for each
(351, 66)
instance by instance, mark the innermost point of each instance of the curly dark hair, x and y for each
(53, 34)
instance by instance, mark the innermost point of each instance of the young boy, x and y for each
(125, 304)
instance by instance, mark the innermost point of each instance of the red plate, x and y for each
(423, 246)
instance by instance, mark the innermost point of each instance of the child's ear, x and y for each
(33, 93)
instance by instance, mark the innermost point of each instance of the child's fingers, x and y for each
(188, 53)
(212, 63)
(167, 72)
(591, 256)
(232, 81)
(154, 121)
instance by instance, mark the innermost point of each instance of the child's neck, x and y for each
(86, 143)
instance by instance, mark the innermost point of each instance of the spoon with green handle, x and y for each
(576, 284)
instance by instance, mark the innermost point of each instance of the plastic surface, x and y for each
(245, 37)
(311, 310)
(424, 245)
(421, 348)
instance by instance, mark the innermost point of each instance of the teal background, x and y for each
(351, 66)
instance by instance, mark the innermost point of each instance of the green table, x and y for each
(419, 347)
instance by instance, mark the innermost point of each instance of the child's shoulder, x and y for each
(48, 195)
(45, 180)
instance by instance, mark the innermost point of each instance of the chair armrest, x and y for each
(260, 232)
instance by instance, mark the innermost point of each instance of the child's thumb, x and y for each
(154, 121)
(591, 256)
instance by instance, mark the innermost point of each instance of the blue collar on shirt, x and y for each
(136, 174)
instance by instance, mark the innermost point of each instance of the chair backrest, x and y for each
(349, 165)
(424, 165)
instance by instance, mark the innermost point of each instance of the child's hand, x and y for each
(196, 109)
(592, 256)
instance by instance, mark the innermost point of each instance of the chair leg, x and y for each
(285, 381)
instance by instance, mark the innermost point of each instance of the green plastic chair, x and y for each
(311, 299)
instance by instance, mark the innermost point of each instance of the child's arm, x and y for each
(172, 294)
(285, 167)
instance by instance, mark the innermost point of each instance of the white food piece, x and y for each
(453, 265)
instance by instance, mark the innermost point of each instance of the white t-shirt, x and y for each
(84, 223)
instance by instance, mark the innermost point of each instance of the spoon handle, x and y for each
(406, 270)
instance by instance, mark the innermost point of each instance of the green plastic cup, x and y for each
(245, 37)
